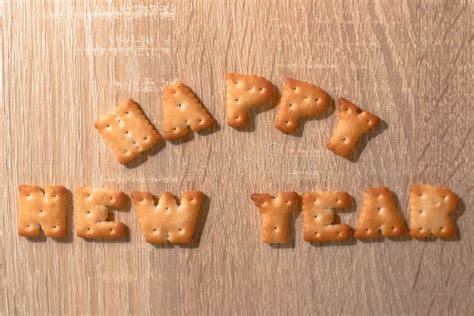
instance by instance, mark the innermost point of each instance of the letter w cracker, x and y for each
(275, 213)
(299, 99)
(245, 92)
(167, 220)
(353, 123)
(183, 111)
(318, 216)
(46, 209)
(430, 211)
(127, 131)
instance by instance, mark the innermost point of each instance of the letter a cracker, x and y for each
(183, 111)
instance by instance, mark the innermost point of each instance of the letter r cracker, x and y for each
(299, 99)
(168, 220)
(318, 216)
(379, 216)
(275, 212)
(430, 211)
(243, 93)
(353, 123)
(46, 209)
(183, 111)
(127, 131)
(90, 206)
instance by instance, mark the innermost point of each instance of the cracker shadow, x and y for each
(253, 112)
(302, 121)
(211, 130)
(292, 217)
(182, 140)
(111, 217)
(364, 140)
(144, 156)
(337, 220)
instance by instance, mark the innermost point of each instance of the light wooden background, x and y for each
(64, 64)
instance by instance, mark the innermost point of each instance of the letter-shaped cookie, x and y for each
(353, 123)
(243, 93)
(47, 210)
(127, 131)
(183, 111)
(379, 216)
(299, 99)
(167, 220)
(275, 213)
(318, 216)
(430, 211)
(90, 206)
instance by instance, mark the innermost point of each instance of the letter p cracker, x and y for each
(127, 131)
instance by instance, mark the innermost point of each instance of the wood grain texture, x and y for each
(64, 64)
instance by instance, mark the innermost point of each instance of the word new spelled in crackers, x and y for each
(183, 111)
(127, 131)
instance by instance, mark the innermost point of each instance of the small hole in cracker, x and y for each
(421, 211)
(111, 230)
(28, 225)
(180, 229)
(393, 228)
(88, 212)
(127, 112)
(367, 230)
(275, 228)
(315, 216)
(290, 105)
(54, 227)
(88, 228)
(155, 229)
(421, 228)
(200, 121)
(145, 138)
(317, 100)
(236, 100)
(379, 208)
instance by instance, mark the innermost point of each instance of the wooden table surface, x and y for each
(65, 64)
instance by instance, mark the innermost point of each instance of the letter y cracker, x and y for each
(90, 205)
(353, 123)
(183, 111)
(167, 220)
(299, 99)
(430, 211)
(245, 92)
(46, 209)
(127, 131)
(318, 216)
(275, 213)
(379, 216)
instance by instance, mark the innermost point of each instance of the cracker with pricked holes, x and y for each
(46, 209)
(353, 123)
(91, 208)
(183, 111)
(275, 212)
(167, 220)
(127, 131)
(318, 216)
(245, 92)
(379, 216)
(299, 99)
(430, 211)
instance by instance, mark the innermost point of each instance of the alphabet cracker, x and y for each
(46, 209)
(243, 93)
(318, 216)
(183, 111)
(127, 131)
(167, 220)
(430, 211)
(90, 205)
(379, 216)
(275, 213)
(299, 99)
(353, 123)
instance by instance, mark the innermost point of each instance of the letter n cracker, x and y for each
(275, 212)
(127, 131)
(430, 211)
(42, 209)
(166, 220)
